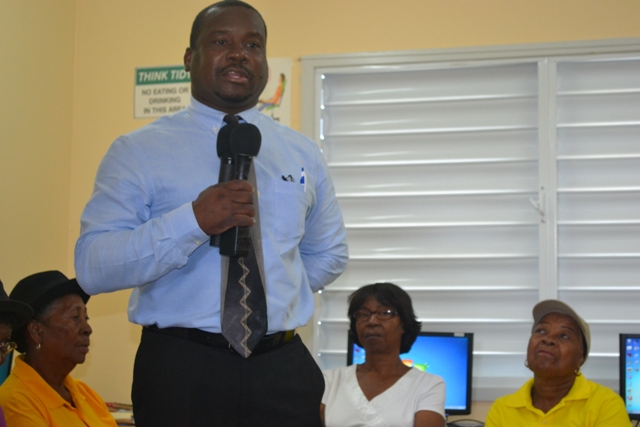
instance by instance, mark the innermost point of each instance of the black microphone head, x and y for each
(224, 141)
(245, 139)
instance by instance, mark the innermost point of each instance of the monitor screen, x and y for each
(449, 355)
(630, 373)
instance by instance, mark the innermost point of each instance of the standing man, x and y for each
(147, 227)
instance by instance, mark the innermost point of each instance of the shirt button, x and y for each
(215, 128)
(197, 242)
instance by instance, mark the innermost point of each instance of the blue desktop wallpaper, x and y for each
(445, 356)
(631, 359)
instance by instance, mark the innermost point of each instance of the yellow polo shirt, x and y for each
(28, 401)
(587, 405)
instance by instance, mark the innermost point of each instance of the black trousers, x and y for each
(179, 383)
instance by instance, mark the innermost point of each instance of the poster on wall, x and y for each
(160, 91)
(275, 100)
(165, 90)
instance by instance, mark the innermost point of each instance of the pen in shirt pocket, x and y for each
(303, 180)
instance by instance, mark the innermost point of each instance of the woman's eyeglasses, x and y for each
(7, 347)
(364, 315)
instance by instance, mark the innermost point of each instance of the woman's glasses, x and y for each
(364, 315)
(7, 347)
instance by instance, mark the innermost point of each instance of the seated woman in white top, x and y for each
(382, 392)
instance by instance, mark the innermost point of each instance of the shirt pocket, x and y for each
(290, 210)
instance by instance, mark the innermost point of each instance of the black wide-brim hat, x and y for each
(19, 310)
(40, 289)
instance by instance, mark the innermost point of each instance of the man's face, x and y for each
(228, 64)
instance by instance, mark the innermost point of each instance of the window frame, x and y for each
(547, 56)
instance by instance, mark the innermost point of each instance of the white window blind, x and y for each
(482, 181)
(598, 140)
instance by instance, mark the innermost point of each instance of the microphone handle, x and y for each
(225, 174)
(243, 166)
(236, 241)
(226, 169)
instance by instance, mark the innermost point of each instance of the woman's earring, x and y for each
(526, 363)
(577, 372)
(39, 346)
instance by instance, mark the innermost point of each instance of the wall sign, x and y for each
(160, 91)
(165, 90)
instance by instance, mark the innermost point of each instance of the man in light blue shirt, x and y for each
(147, 227)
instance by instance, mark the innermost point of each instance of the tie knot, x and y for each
(230, 119)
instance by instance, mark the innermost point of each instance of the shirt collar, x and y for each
(212, 119)
(580, 390)
(522, 397)
(36, 383)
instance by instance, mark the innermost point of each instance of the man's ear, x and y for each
(187, 59)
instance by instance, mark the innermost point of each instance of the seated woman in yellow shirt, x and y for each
(558, 394)
(40, 392)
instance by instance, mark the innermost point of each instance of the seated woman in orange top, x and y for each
(13, 314)
(40, 392)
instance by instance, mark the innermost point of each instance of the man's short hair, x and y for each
(196, 28)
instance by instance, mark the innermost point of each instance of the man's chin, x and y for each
(228, 101)
(234, 99)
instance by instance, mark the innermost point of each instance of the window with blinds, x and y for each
(482, 181)
(598, 193)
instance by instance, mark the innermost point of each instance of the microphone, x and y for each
(225, 153)
(245, 144)
(226, 164)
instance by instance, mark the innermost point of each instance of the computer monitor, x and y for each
(449, 355)
(630, 373)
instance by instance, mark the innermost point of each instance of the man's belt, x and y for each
(268, 343)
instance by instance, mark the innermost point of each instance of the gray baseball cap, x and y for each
(554, 306)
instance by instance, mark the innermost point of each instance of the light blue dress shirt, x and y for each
(139, 230)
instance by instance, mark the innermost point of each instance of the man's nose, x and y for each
(237, 52)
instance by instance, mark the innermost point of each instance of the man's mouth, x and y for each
(235, 74)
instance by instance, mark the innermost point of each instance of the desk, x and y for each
(123, 418)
